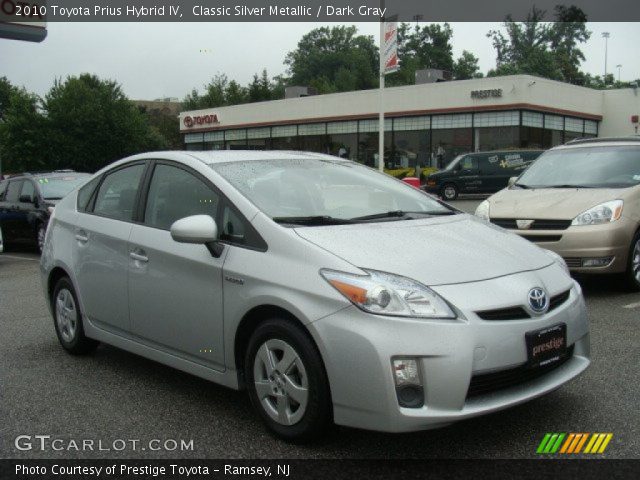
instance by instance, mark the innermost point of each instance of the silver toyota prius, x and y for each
(329, 291)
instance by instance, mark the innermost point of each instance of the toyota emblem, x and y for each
(538, 300)
(188, 121)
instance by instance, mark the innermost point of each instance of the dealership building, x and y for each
(422, 122)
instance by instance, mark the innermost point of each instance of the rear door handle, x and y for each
(139, 256)
(82, 236)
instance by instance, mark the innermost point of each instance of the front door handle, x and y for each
(139, 256)
(82, 236)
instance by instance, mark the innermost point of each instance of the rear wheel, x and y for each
(633, 267)
(287, 382)
(68, 319)
(449, 192)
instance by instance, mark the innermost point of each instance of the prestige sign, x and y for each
(492, 93)
(23, 20)
(189, 121)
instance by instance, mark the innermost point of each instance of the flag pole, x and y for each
(381, 94)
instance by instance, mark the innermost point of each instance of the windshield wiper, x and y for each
(402, 213)
(313, 220)
(521, 185)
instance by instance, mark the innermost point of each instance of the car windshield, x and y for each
(54, 188)
(454, 162)
(585, 167)
(323, 191)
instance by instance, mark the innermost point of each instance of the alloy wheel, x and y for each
(66, 315)
(281, 381)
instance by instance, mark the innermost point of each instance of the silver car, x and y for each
(329, 291)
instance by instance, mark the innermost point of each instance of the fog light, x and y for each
(596, 262)
(406, 375)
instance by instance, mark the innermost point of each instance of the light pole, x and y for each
(606, 36)
(619, 66)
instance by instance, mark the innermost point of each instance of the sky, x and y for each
(157, 60)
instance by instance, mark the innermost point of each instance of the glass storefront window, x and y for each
(313, 143)
(496, 138)
(531, 137)
(368, 148)
(343, 145)
(448, 143)
(411, 148)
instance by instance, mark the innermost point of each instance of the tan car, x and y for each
(582, 201)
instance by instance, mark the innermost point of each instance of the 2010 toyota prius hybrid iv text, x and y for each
(328, 290)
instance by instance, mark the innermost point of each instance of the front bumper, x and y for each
(358, 347)
(579, 243)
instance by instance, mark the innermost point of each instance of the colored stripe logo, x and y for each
(573, 443)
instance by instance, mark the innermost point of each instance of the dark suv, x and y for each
(26, 202)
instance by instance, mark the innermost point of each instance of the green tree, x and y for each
(259, 89)
(466, 66)
(565, 34)
(235, 93)
(23, 136)
(333, 59)
(6, 90)
(90, 123)
(541, 48)
(420, 47)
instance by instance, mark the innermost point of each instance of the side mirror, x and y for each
(199, 229)
(26, 199)
(512, 181)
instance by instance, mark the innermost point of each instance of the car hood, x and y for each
(436, 251)
(549, 203)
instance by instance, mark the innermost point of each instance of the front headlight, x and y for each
(558, 259)
(604, 213)
(483, 210)
(387, 294)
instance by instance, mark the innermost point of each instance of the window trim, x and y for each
(223, 202)
(90, 210)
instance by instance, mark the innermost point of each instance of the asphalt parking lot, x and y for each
(116, 395)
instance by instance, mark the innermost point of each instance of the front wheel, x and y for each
(287, 382)
(633, 268)
(449, 192)
(68, 319)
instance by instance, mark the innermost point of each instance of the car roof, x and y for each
(56, 173)
(601, 142)
(220, 156)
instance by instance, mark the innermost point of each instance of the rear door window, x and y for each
(28, 191)
(13, 191)
(116, 196)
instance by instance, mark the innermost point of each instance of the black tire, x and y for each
(632, 275)
(41, 230)
(317, 416)
(73, 340)
(2, 243)
(449, 192)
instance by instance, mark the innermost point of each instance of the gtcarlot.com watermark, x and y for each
(49, 443)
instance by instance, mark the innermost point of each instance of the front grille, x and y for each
(519, 313)
(558, 300)
(542, 238)
(541, 224)
(485, 383)
(573, 262)
(510, 313)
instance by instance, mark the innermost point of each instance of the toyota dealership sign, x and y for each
(190, 121)
(23, 20)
